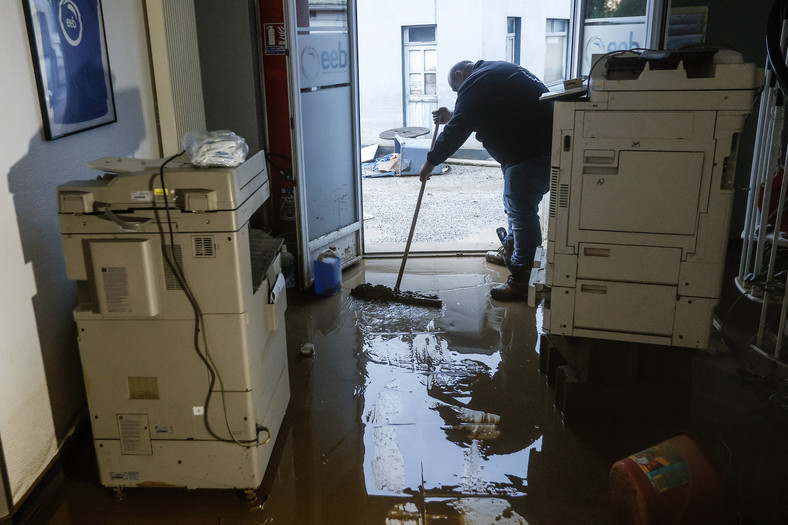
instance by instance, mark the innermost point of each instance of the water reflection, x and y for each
(437, 399)
(459, 511)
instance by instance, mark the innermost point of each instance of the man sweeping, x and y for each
(500, 102)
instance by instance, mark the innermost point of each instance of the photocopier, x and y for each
(641, 196)
(180, 321)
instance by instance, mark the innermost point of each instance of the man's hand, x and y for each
(442, 115)
(426, 171)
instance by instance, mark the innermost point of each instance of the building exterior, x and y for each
(406, 49)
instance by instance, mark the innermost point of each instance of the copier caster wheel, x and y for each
(247, 494)
(117, 493)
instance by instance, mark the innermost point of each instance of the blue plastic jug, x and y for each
(328, 272)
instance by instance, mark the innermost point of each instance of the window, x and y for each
(616, 25)
(513, 39)
(420, 34)
(555, 55)
(421, 63)
(323, 14)
(615, 8)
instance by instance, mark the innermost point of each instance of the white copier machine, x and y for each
(183, 390)
(641, 196)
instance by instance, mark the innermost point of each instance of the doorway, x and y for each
(420, 65)
(399, 56)
(405, 53)
(460, 211)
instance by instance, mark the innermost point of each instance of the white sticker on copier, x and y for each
(141, 196)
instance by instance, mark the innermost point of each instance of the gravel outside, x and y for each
(462, 207)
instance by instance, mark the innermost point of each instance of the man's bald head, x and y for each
(458, 73)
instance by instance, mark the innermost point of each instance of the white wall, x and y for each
(466, 30)
(461, 30)
(380, 60)
(41, 389)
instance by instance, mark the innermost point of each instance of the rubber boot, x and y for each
(502, 256)
(516, 287)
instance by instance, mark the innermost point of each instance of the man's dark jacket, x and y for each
(500, 102)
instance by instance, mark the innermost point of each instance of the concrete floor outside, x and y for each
(460, 211)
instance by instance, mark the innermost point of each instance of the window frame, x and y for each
(565, 54)
(515, 38)
(656, 15)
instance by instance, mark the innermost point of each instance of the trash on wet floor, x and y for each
(385, 166)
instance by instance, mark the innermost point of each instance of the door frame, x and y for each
(407, 46)
(349, 238)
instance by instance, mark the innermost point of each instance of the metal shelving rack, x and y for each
(762, 277)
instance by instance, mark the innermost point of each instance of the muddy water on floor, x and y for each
(433, 399)
(420, 416)
(422, 404)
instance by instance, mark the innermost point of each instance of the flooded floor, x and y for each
(409, 415)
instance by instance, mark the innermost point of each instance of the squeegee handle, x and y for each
(410, 235)
(415, 218)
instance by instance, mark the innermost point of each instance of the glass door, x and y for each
(324, 97)
(604, 26)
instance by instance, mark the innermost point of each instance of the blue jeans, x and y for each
(524, 185)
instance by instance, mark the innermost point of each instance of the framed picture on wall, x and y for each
(69, 50)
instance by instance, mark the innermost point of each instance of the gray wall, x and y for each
(741, 26)
(227, 34)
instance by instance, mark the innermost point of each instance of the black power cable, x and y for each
(199, 326)
(286, 174)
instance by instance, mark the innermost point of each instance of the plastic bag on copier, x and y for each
(215, 148)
